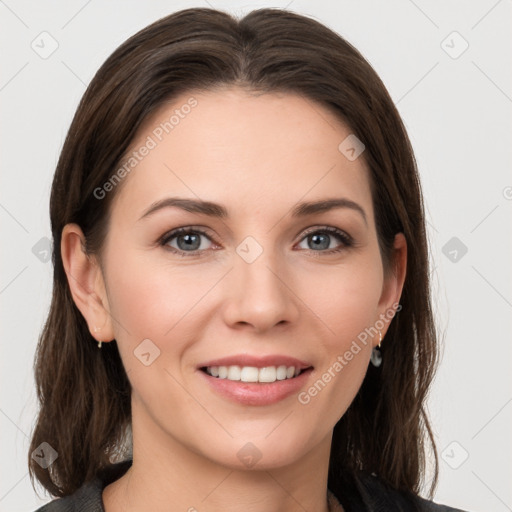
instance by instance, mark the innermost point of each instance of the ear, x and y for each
(393, 282)
(86, 283)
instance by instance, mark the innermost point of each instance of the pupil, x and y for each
(189, 241)
(318, 243)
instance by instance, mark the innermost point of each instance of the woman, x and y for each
(241, 317)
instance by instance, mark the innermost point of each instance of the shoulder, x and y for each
(374, 495)
(407, 501)
(85, 499)
(88, 497)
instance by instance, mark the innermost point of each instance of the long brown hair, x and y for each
(84, 393)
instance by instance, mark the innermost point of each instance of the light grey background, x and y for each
(457, 108)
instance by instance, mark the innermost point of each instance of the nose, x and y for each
(260, 294)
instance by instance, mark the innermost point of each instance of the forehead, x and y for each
(248, 151)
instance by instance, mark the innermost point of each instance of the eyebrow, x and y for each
(218, 211)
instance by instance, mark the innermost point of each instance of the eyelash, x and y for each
(340, 235)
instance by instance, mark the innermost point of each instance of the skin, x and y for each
(258, 155)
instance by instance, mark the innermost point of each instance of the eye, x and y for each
(188, 240)
(321, 239)
(189, 243)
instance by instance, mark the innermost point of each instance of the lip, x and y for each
(253, 393)
(257, 361)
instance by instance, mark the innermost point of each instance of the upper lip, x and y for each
(257, 361)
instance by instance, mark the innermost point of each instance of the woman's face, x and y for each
(268, 284)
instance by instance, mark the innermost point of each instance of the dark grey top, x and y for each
(371, 495)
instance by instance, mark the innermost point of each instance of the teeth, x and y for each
(249, 374)
(282, 372)
(253, 374)
(234, 373)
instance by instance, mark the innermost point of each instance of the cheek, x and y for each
(148, 301)
(153, 303)
(157, 299)
(142, 301)
(346, 304)
(148, 293)
(345, 298)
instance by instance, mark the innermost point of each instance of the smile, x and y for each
(267, 374)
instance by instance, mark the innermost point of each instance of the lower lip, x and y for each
(254, 393)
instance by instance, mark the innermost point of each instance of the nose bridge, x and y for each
(260, 295)
(254, 264)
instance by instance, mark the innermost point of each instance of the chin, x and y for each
(257, 452)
